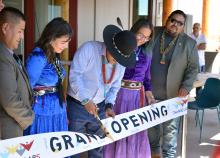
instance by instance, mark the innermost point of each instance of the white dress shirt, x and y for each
(85, 78)
(200, 39)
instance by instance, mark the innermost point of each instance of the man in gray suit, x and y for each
(15, 93)
(173, 70)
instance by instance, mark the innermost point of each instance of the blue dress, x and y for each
(50, 116)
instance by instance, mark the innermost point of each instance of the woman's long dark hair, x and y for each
(56, 28)
(140, 23)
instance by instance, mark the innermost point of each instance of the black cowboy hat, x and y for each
(120, 44)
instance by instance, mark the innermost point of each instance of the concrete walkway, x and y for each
(211, 127)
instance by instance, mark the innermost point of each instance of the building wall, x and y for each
(86, 20)
(94, 15)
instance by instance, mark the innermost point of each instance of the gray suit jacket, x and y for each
(15, 96)
(184, 64)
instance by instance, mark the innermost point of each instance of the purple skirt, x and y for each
(137, 145)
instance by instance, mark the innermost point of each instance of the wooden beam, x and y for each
(73, 22)
(205, 17)
(30, 27)
(167, 10)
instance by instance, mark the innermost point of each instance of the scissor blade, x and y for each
(104, 129)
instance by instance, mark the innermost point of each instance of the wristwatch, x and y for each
(84, 101)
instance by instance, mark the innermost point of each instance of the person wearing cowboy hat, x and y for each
(95, 78)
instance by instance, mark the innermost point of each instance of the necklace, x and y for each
(58, 68)
(164, 51)
(104, 74)
(137, 53)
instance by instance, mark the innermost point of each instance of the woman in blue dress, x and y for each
(46, 75)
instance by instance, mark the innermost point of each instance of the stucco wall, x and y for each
(94, 15)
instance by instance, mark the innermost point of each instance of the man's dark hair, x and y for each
(10, 14)
(142, 22)
(177, 12)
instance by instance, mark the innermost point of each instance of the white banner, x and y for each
(62, 144)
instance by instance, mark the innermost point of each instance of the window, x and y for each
(142, 8)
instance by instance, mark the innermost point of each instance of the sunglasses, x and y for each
(179, 23)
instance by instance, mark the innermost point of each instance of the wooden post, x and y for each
(30, 27)
(205, 17)
(167, 9)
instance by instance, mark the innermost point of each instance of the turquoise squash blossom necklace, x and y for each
(164, 51)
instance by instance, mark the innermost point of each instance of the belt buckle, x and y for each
(122, 83)
(132, 85)
(53, 89)
(41, 92)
